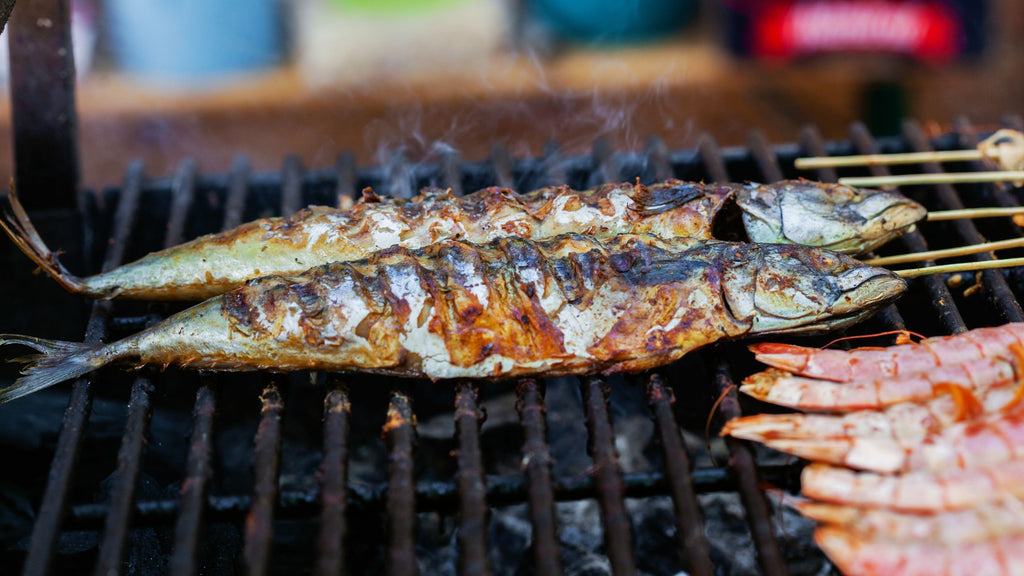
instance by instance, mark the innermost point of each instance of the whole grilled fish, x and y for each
(515, 307)
(799, 212)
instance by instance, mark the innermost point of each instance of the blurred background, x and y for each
(162, 80)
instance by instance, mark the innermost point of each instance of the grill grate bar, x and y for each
(537, 471)
(334, 470)
(126, 477)
(291, 185)
(658, 164)
(605, 163)
(765, 156)
(997, 289)
(400, 431)
(469, 477)
(451, 171)
(139, 407)
(501, 163)
(618, 539)
(259, 522)
(741, 459)
(711, 156)
(814, 144)
(46, 529)
(345, 172)
(193, 489)
(398, 176)
(238, 189)
(689, 524)
(913, 241)
(553, 164)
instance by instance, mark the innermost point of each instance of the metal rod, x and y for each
(238, 189)
(618, 538)
(689, 525)
(334, 481)
(553, 164)
(46, 529)
(607, 169)
(914, 241)
(711, 156)
(345, 170)
(400, 432)
(291, 185)
(44, 121)
(192, 500)
(182, 193)
(469, 477)
(126, 478)
(259, 523)
(999, 291)
(537, 471)
(946, 252)
(741, 460)
(888, 159)
(451, 171)
(658, 164)
(501, 164)
(944, 178)
(765, 156)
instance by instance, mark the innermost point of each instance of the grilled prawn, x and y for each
(799, 212)
(874, 363)
(515, 307)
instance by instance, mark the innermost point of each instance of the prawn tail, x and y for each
(57, 362)
(15, 222)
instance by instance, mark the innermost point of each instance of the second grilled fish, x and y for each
(798, 212)
(515, 307)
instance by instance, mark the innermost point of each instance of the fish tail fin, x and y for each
(58, 362)
(15, 222)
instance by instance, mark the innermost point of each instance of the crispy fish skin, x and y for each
(515, 307)
(213, 264)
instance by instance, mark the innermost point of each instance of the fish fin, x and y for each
(60, 361)
(15, 222)
(656, 199)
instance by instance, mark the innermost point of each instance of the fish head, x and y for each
(834, 216)
(788, 289)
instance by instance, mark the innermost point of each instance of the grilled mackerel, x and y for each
(799, 212)
(515, 307)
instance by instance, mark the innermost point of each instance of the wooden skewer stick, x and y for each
(1015, 176)
(970, 213)
(962, 267)
(1005, 146)
(947, 253)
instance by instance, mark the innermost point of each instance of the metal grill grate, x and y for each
(197, 203)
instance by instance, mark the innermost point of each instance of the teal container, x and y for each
(194, 41)
(613, 21)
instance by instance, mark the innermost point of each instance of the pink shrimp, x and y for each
(991, 520)
(859, 554)
(778, 387)
(875, 363)
(919, 491)
(907, 422)
(990, 439)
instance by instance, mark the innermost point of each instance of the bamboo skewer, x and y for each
(815, 162)
(971, 213)
(962, 267)
(946, 253)
(1015, 176)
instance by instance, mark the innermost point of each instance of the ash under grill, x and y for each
(181, 473)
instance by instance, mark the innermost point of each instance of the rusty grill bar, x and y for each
(198, 203)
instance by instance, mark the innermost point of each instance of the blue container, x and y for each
(194, 41)
(614, 20)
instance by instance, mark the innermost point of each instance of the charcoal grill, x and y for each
(273, 474)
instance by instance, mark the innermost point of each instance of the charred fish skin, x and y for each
(216, 263)
(515, 307)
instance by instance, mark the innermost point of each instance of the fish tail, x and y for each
(58, 362)
(15, 222)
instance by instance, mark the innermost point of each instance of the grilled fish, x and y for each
(514, 307)
(798, 212)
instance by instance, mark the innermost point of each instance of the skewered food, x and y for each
(798, 212)
(515, 307)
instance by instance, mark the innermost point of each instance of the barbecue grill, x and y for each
(184, 473)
